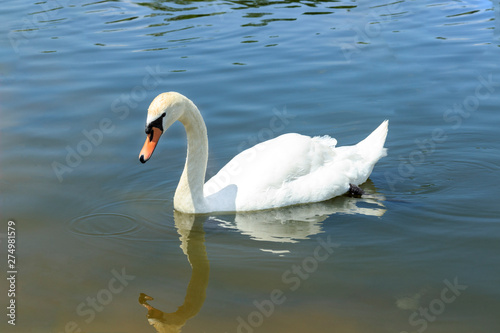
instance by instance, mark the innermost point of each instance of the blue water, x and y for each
(95, 227)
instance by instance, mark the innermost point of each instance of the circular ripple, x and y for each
(103, 224)
(132, 220)
(149, 213)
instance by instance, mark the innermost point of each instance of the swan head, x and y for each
(163, 111)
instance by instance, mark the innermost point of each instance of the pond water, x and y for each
(95, 228)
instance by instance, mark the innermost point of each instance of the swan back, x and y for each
(293, 169)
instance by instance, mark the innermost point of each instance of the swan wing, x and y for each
(271, 173)
(293, 169)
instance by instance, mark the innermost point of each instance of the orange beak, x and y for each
(150, 145)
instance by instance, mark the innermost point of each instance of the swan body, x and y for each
(287, 170)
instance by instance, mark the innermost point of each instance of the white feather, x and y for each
(288, 170)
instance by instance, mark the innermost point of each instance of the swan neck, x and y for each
(189, 195)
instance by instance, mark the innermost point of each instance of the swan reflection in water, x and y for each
(294, 223)
(283, 225)
(192, 236)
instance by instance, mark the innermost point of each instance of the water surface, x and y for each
(95, 228)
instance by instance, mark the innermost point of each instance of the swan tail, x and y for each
(373, 145)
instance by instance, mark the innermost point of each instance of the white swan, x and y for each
(288, 170)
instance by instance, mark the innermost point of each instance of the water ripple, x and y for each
(133, 219)
(104, 224)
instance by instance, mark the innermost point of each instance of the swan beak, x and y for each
(150, 145)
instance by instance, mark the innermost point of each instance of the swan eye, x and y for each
(158, 123)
